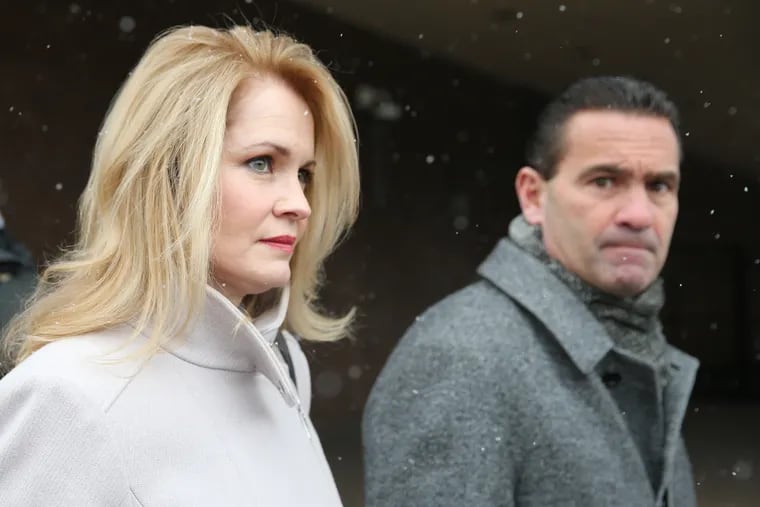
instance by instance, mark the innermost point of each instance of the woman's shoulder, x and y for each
(86, 365)
(54, 426)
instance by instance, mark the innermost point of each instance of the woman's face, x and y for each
(267, 163)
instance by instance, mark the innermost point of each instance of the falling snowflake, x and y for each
(127, 24)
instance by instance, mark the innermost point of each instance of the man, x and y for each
(549, 381)
(17, 279)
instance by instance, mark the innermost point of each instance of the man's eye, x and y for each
(260, 164)
(603, 182)
(659, 186)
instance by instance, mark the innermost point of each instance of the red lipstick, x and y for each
(284, 243)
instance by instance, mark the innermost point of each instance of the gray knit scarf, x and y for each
(632, 323)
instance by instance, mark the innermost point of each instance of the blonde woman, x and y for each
(147, 371)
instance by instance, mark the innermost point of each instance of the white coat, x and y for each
(212, 420)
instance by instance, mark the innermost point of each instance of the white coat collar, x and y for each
(224, 338)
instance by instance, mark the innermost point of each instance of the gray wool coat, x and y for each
(511, 393)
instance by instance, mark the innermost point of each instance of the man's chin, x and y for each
(630, 286)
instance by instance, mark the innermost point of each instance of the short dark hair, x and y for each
(602, 93)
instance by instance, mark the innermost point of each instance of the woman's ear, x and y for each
(530, 187)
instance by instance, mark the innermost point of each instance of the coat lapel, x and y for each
(527, 281)
(677, 392)
(570, 323)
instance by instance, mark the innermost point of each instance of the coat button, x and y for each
(611, 379)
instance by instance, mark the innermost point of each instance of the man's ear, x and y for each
(530, 187)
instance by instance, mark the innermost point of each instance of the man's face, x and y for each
(608, 213)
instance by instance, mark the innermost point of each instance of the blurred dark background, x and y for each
(445, 93)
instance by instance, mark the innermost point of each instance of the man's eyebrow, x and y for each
(617, 170)
(603, 168)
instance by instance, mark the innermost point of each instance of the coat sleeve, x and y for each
(433, 432)
(56, 447)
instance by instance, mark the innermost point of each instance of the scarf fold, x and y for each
(632, 322)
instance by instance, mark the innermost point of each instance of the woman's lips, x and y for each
(282, 243)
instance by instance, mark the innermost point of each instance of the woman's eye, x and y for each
(260, 164)
(305, 176)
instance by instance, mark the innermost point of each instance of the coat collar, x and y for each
(526, 280)
(223, 338)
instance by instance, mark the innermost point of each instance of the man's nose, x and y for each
(636, 211)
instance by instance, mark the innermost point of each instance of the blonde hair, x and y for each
(147, 214)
